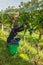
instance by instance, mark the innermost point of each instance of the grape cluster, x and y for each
(31, 31)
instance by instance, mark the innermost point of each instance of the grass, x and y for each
(7, 59)
(20, 58)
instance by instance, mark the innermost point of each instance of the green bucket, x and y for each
(13, 49)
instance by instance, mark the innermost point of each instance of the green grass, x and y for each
(20, 58)
(7, 59)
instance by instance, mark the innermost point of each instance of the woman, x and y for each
(13, 33)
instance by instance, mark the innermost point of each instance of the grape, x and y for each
(31, 31)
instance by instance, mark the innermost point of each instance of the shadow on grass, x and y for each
(7, 59)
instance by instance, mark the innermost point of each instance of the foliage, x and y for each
(32, 17)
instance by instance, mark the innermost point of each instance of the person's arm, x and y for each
(20, 28)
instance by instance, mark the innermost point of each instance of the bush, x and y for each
(41, 56)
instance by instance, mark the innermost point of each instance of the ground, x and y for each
(17, 59)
